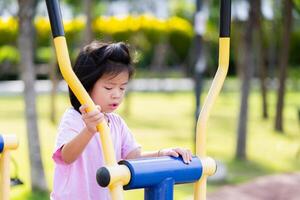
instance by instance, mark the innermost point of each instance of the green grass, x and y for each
(160, 120)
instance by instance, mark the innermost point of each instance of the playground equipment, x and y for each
(156, 175)
(7, 143)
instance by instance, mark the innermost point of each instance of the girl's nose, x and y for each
(116, 94)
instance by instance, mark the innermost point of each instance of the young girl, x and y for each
(104, 70)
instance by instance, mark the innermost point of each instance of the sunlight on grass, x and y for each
(160, 120)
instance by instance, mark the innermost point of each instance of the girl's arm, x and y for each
(175, 152)
(71, 150)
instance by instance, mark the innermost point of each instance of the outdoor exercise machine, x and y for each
(7, 143)
(156, 175)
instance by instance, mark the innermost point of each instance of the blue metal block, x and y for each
(162, 191)
(150, 172)
(1, 143)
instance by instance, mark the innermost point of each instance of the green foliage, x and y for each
(44, 55)
(180, 37)
(297, 5)
(43, 31)
(143, 32)
(9, 54)
(146, 31)
(295, 46)
(183, 9)
(154, 29)
(72, 28)
(8, 31)
(119, 29)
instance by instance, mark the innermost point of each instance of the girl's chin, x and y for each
(109, 110)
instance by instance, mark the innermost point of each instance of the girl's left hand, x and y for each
(175, 152)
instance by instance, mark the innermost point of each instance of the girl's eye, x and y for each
(122, 89)
(107, 88)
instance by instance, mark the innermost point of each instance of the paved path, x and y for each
(275, 187)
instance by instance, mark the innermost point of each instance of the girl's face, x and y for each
(109, 91)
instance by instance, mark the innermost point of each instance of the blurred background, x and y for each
(254, 129)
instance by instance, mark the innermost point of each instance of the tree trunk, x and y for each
(273, 40)
(283, 62)
(237, 46)
(88, 31)
(158, 60)
(246, 79)
(54, 83)
(263, 82)
(198, 62)
(25, 45)
(260, 58)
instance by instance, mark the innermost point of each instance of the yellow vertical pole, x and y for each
(5, 176)
(224, 49)
(224, 43)
(9, 142)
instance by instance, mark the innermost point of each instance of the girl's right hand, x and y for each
(91, 119)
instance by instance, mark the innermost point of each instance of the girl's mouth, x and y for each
(113, 105)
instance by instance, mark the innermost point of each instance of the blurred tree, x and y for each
(248, 68)
(283, 61)
(53, 66)
(260, 57)
(25, 44)
(237, 46)
(88, 31)
(297, 5)
(158, 61)
(274, 37)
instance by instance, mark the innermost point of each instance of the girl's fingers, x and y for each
(82, 109)
(93, 119)
(93, 114)
(185, 155)
(174, 154)
(190, 155)
(185, 158)
(98, 118)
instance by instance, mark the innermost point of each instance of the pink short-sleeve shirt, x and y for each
(77, 181)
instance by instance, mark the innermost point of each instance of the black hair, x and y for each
(97, 59)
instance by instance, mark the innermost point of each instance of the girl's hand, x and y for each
(175, 152)
(91, 119)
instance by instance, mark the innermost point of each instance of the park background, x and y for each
(254, 128)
